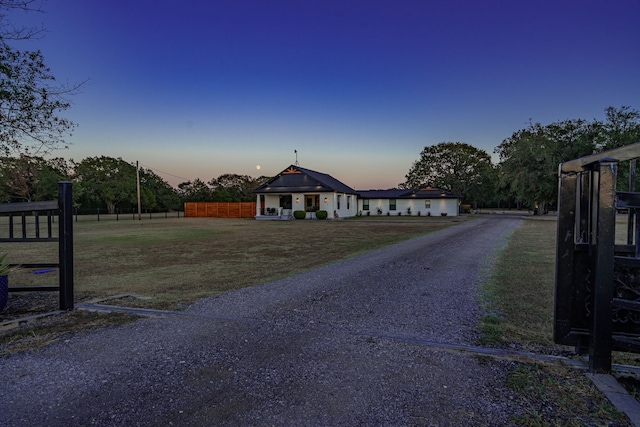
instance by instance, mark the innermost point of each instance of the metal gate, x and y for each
(32, 233)
(597, 289)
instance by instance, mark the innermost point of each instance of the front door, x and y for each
(311, 202)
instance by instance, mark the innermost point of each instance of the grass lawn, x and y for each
(520, 290)
(179, 260)
(519, 296)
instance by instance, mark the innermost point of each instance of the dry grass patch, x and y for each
(51, 329)
(557, 395)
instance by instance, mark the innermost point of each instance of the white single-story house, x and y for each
(300, 189)
(427, 201)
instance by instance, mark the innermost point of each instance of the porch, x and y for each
(274, 214)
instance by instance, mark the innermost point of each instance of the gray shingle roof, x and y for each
(422, 193)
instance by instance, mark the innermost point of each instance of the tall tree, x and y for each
(31, 99)
(156, 193)
(454, 166)
(529, 158)
(622, 127)
(194, 191)
(106, 180)
(26, 178)
(234, 188)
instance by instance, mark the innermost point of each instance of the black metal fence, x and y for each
(102, 214)
(41, 229)
(597, 290)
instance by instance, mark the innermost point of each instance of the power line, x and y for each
(165, 173)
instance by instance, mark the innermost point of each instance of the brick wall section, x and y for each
(220, 209)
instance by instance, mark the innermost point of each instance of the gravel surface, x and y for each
(338, 345)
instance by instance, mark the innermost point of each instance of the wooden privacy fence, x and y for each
(220, 209)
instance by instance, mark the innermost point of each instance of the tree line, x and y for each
(524, 177)
(526, 174)
(111, 183)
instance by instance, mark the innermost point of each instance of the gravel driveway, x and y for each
(344, 344)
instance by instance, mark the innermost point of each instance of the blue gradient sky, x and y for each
(359, 88)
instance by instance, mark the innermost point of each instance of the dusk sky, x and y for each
(202, 88)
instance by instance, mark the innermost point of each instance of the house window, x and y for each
(365, 204)
(427, 204)
(392, 204)
(348, 202)
(339, 198)
(285, 202)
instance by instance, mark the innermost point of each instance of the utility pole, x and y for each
(138, 189)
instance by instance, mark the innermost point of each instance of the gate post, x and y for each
(565, 253)
(65, 244)
(604, 199)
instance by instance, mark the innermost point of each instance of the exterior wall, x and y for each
(326, 201)
(438, 207)
(348, 205)
(329, 203)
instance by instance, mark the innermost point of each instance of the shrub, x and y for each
(299, 214)
(322, 214)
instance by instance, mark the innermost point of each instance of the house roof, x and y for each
(382, 194)
(295, 179)
(422, 193)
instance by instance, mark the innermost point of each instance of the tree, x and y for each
(529, 158)
(29, 104)
(26, 178)
(30, 96)
(234, 188)
(454, 166)
(156, 193)
(10, 31)
(622, 127)
(194, 191)
(107, 181)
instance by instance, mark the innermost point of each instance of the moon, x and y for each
(258, 167)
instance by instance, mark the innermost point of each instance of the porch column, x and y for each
(258, 207)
